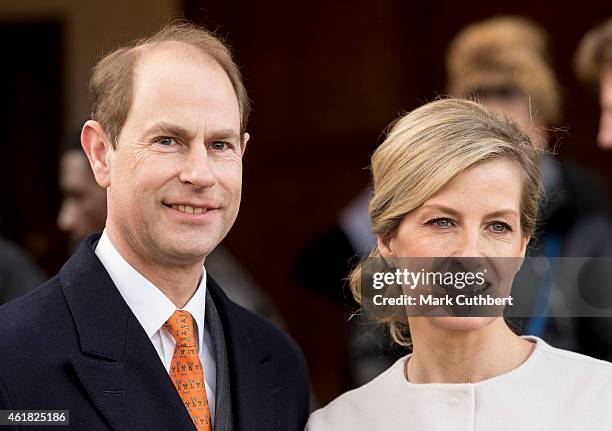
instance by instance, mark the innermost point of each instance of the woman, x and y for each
(453, 179)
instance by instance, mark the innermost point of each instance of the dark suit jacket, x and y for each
(74, 344)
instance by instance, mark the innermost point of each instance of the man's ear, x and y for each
(243, 144)
(97, 146)
(384, 247)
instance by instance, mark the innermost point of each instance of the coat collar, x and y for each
(259, 392)
(118, 365)
(121, 370)
(100, 313)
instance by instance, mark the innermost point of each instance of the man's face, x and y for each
(83, 209)
(176, 175)
(519, 110)
(604, 137)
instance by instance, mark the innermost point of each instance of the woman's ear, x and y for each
(97, 147)
(384, 247)
(524, 241)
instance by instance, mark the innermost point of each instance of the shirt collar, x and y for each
(150, 306)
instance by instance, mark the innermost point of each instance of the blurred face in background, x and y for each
(604, 137)
(513, 103)
(83, 208)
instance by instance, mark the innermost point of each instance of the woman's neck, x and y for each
(442, 355)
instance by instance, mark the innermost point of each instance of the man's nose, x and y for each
(66, 217)
(196, 168)
(604, 137)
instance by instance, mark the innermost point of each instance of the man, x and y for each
(133, 334)
(593, 63)
(83, 209)
(83, 212)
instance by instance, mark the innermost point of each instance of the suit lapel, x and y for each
(257, 388)
(118, 367)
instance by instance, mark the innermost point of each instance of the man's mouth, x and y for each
(188, 209)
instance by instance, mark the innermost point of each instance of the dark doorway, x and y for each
(31, 116)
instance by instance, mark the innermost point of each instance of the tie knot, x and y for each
(180, 325)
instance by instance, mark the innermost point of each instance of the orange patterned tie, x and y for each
(186, 369)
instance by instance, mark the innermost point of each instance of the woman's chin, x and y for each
(461, 323)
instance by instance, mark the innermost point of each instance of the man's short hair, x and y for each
(112, 83)
(594, 51)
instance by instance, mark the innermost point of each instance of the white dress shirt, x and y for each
(552, 390)
(152, 309)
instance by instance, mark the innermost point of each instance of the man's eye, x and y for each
(443, 223)
(219, 145)
(500, 227)
(165, 141)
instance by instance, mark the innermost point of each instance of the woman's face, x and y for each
(476, 215)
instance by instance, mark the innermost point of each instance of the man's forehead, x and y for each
(172, 49)
(168, 64)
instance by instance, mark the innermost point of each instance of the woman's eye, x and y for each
(441, 223)
(500, 227)
(165, 141)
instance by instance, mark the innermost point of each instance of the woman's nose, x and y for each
(469, 244)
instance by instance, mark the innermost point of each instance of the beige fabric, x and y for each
(552, 390)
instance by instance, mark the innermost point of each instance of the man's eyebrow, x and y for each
(176, 130)
(224, 134)
(168, 129)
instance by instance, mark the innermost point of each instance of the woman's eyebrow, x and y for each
(503, 213)
(440, 208)
(448, 210)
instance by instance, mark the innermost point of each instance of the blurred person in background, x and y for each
(503, 63)
(83, 212)
(18, 274)
(83, 208)
(593, 64)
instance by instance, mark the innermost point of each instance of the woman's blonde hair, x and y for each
(425, 149)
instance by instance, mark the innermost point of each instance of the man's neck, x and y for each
(177, 282)
(452, 356)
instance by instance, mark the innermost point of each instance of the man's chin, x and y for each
(185, 251)
(185, 243)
